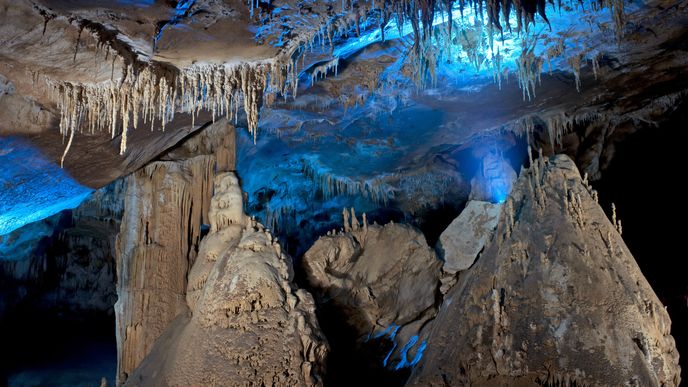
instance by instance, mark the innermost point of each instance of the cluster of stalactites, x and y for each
(424, 53)
(330, 185)
(153, 97)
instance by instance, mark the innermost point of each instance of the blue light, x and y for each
(391, 331)
(404, 353)
(499, 54)
(180, 11)
(32, 187)
(386, 331)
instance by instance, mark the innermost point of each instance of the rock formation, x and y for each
(403, 109)
(166, 203)
(383, 279)
(494, 178)
(464, 239)
(555, 299)
(64, 264)
(246, 323)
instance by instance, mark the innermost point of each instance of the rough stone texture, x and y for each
(555, 299)
(464, 239)
(166, 203)
(382, 278)
(246, 324)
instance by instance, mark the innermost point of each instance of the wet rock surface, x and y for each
(556, 298)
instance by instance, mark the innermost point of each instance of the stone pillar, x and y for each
(165, 204)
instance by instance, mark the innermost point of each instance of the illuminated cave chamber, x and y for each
(400, 192)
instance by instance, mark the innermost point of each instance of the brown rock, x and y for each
(464, 239)
(165, 204)
(248, 324)
(555, 299)
(383, 278)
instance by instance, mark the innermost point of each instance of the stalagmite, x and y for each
(354, 221)
(345, 215)
(523, 312)
(166, 202)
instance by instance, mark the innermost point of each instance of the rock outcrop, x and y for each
(465, 238)
(383, 279)
(246, 323)
(555, 299)
(165, 206)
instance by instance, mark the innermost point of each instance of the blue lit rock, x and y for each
(65, 263)
(493, 180)
(32, 187)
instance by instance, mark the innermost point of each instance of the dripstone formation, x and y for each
(555, 299)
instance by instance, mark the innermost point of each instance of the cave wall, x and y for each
(63, 265)
(166, 204)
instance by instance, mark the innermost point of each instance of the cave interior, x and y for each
(342, 192)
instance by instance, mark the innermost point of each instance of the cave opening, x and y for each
(57, 292)
(47, 348)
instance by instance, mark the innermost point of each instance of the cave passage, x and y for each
(43, 349)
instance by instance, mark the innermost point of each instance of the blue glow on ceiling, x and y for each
(307, 174)
(32, 187)
(570, 24)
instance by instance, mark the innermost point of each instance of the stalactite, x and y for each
(324, 68)
(497, 69)
(617, 8)
(575, 63)
(330, 185)
(553, 52)
(151, 93)
(557, 126)
(280, 219)
(529, 69)
(595, 65)
(154, 95)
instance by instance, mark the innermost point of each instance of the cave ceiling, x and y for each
(346, 98)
